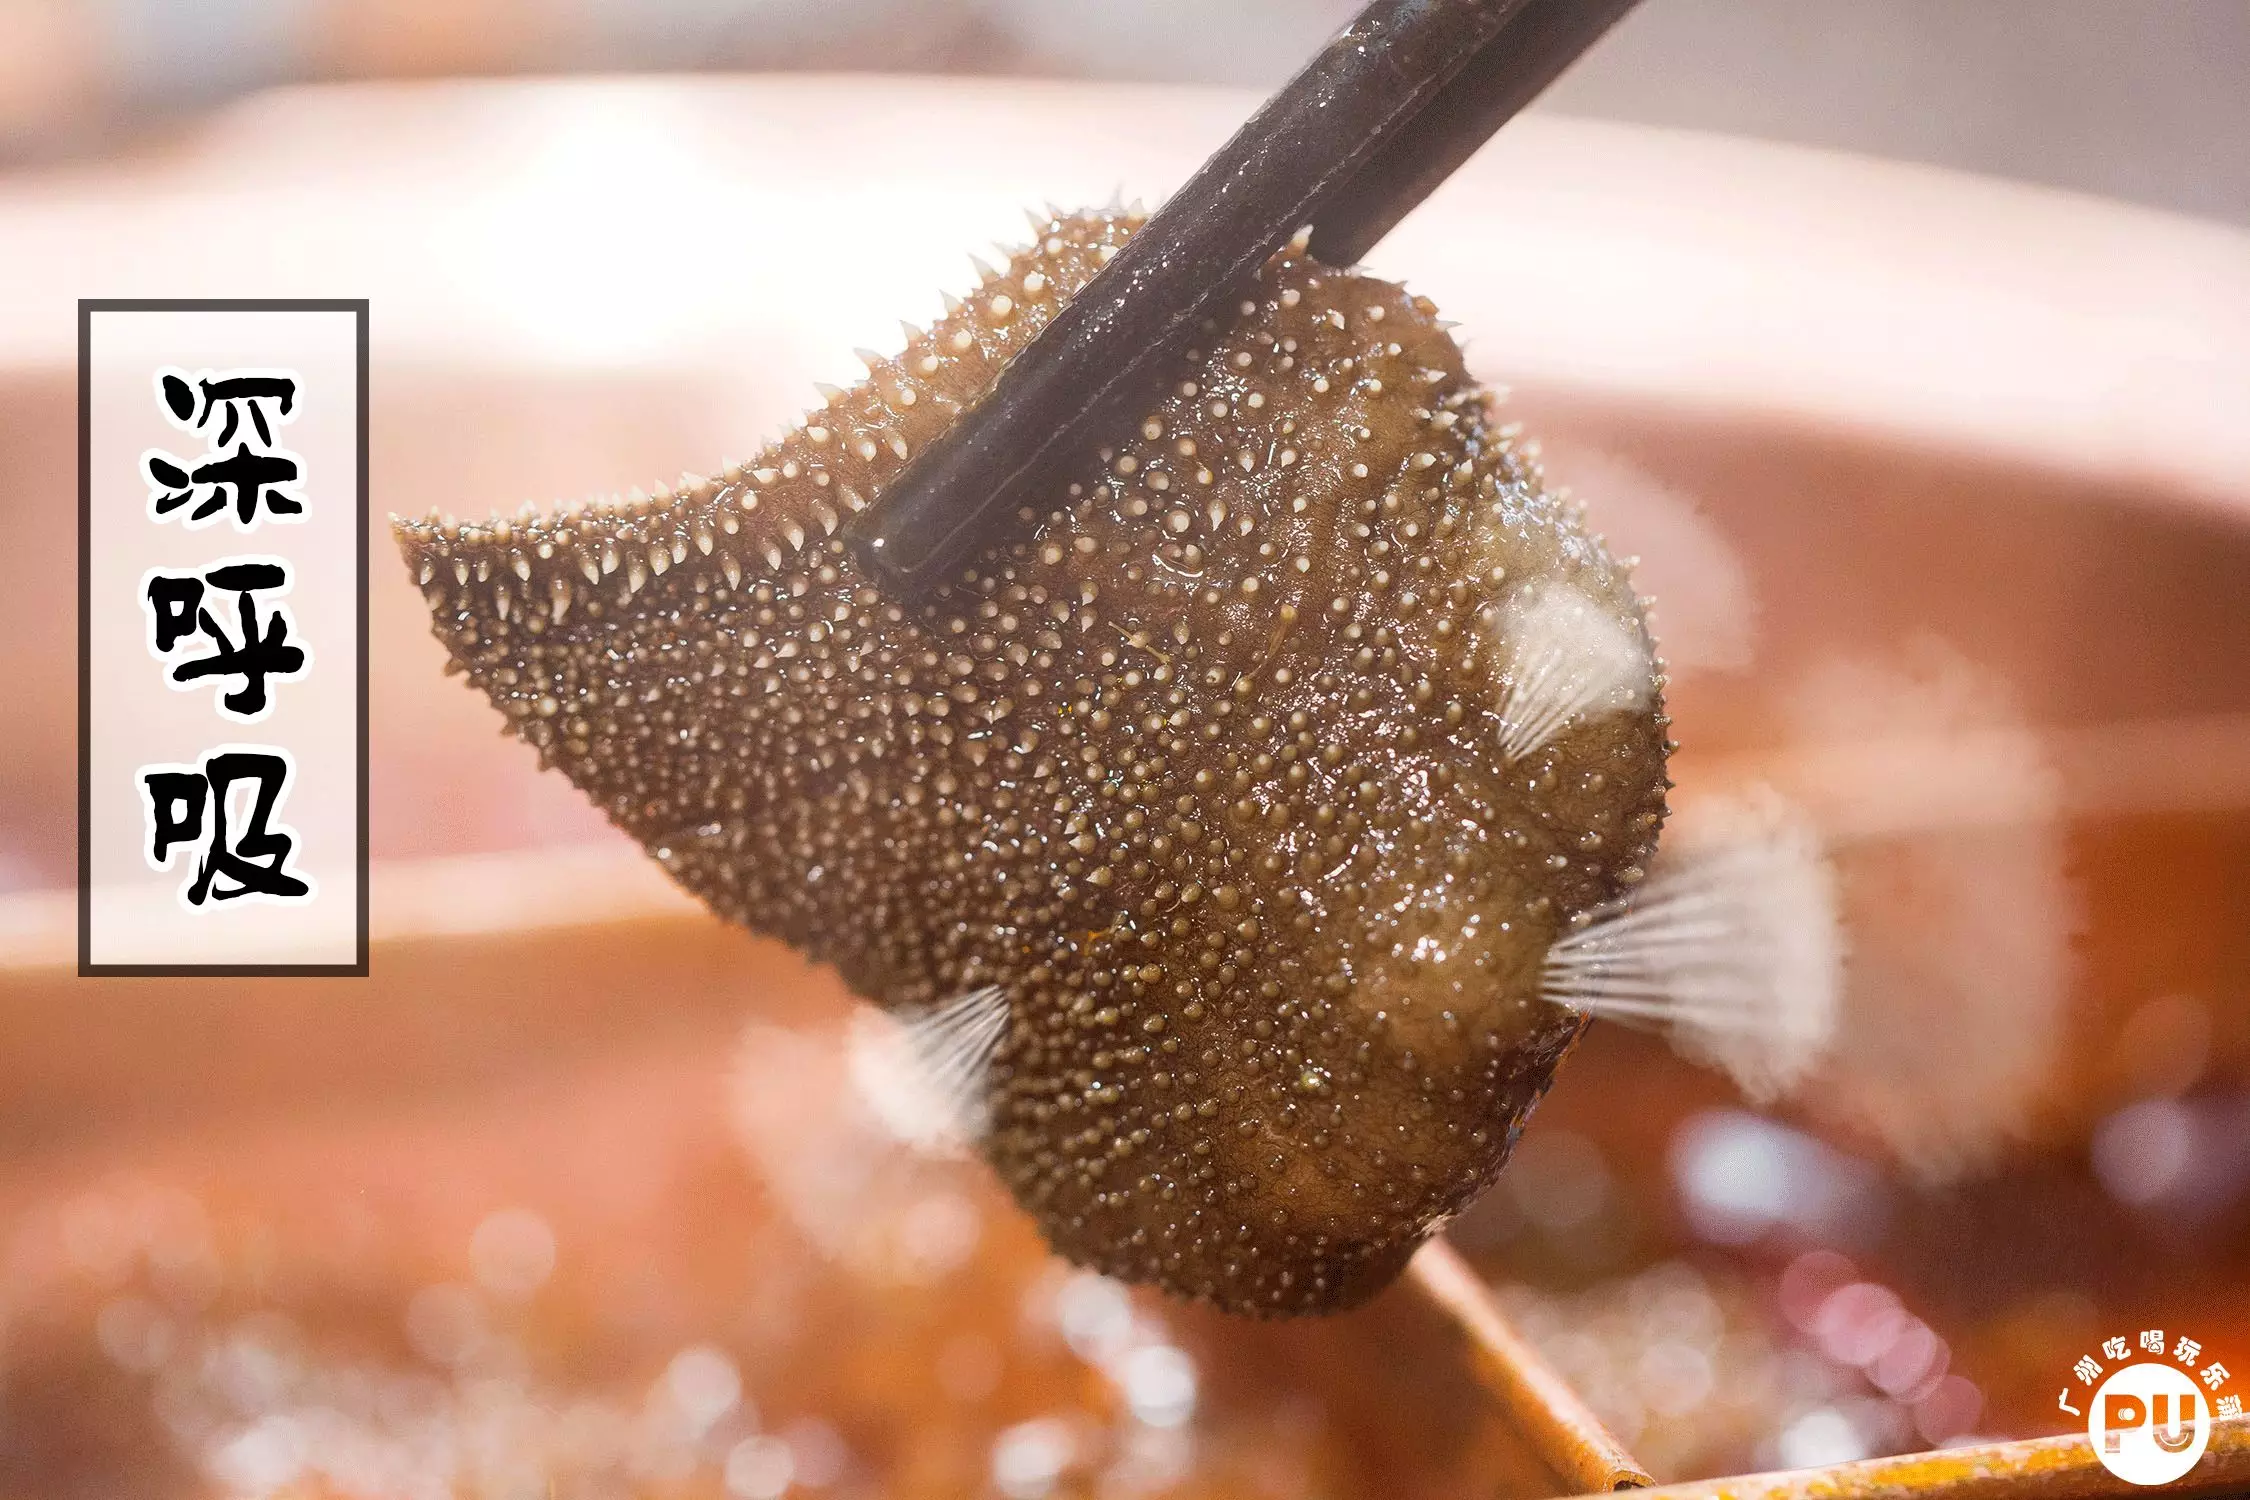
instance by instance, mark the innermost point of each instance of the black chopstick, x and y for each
(1513, 68)
(1378, 118)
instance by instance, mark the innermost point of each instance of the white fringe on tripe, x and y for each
(925, 1075)
(1564, 657)
(1732, 947)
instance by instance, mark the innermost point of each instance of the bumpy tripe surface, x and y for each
(1206, 774)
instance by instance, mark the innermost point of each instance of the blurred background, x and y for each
(2143, 102)
(1940, 479)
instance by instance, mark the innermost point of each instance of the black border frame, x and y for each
(87, 307)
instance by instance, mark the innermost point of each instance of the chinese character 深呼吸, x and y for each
(256, 478)
(267, 648)
(188, 804)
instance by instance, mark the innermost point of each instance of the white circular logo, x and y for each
(2148, 1423)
